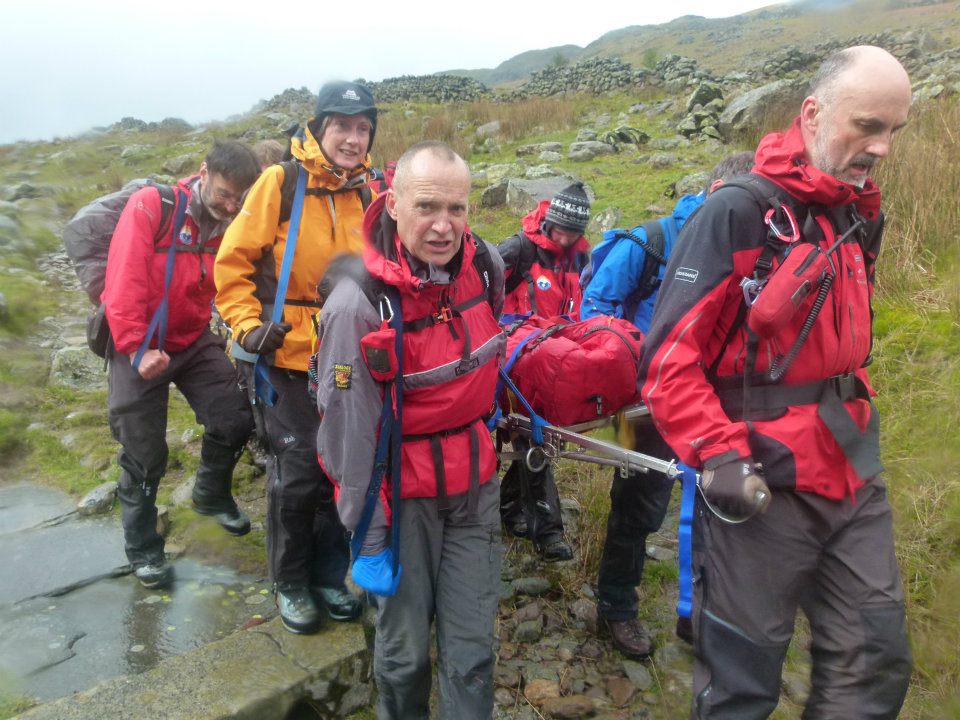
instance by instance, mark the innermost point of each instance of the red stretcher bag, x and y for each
(572, 372)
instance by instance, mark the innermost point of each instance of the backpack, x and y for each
(573, 372)
(654, 246)
(86, 238)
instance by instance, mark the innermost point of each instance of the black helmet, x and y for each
(346, 98)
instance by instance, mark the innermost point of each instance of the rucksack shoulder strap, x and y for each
(289, 186)
(528, 255)
(168, 203)
(484, 267)
(655, 255)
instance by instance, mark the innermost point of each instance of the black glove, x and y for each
(734, 486)
(265, 339)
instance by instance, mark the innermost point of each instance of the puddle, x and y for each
(70, 617)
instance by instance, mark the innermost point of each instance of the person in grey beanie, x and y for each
(543, 264)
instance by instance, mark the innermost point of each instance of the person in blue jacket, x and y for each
(638, 505)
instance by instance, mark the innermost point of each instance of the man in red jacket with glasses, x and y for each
(188, 355)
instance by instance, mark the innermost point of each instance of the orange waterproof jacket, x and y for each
(248, 264)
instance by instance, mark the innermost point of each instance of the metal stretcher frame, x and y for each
(571, 443)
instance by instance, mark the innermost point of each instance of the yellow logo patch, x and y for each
(342, 375)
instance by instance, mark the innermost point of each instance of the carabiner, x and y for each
(751, 288)
(385, 316)
(794, 235)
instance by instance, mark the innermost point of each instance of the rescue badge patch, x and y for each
(342, 375)
(543, 282)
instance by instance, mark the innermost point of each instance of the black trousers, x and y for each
(306, 542)
(137, 411)
(531, 499)
(638, 505)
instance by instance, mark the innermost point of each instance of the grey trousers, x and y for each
(451, 575)
(835, 560)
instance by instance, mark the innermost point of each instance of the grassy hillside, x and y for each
(745, 42)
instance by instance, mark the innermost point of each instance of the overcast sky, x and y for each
(72, 65)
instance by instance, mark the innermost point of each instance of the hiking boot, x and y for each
(630, 637)
(298, 611)
(555, 550)
(233, 520)
(340, 603)
(154, 575)
(514, 519)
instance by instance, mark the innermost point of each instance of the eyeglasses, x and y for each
(223, 196)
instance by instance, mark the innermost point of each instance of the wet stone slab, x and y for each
(71, 616)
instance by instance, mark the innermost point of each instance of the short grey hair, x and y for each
(437, 148)
(824, 80)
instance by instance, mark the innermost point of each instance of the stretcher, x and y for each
(571, 443)
(549, 443)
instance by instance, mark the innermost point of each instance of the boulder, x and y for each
(495, 195)
(662, 160)
(77, 367)
(524, 195)
(705, 93)
(181, 165)
(131, 151)
(583, 151)
(99, 500)
(535, 148)
(748, 111)
(496, 173)
(692, 184)
(540, 171)
(606, 219)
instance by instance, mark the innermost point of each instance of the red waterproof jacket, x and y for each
(542, 277)
(449, 381)
(697, 346)
(136, 268)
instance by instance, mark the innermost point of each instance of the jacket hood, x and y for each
(385, 258)
(686, 206)
(532, 228)
(308, 151)
(781, 158)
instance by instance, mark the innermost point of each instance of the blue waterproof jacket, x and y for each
(619, 275)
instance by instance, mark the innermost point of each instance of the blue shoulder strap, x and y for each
(261, 377)
(685, 540)
(158, 323)
(389, 442)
